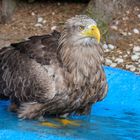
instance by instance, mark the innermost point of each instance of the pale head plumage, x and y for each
(80, 29)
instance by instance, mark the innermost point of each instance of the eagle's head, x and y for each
(80, 50)
(81, 29)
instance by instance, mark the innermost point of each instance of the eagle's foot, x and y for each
(66, 122)
(60, 123)
(50, 124)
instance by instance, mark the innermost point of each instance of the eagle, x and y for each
(57, 74)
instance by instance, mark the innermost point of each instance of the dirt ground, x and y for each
(39, 17)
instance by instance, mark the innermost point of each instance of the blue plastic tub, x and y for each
(117, 117)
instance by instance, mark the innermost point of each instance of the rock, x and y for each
(128, 52)
(106, 50)
(134, 57)
(105, 46)
(128, 66)
(113, 65)
(124, 33)
(108, 61)
(138, 15)
(111, 47)
(119, 60)
(113, 58)
(129, 33)
(33, 14)
(120, 56)
(130, 45)
(53, 28)
(127, 11)
(125, 55)
(136, 31)
(58, 3)
(53, 13)
(125, 18)
(114, 27)
(136, 49)
(44, 21)
(132, 68)
(39, 19)
(38, 25)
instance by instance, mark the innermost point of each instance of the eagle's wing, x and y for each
(22, 73)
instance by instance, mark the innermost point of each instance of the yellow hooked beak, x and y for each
(92, 31)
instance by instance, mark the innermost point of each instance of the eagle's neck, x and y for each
(81, 59)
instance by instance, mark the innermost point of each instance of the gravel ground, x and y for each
(122, 50)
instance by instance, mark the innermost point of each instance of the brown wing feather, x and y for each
(26, 58)
(41, 48)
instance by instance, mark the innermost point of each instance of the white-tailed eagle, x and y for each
(56, 73)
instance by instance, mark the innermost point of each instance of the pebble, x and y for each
(39, 19)
(113, 65)
(134, 57)
(124, 33)
(130, 45)
(119, 60)
(138, 15)
(33, 14)
(105, 46)
(114, 27)
(133, 68)
(53, 28)
(128, 12)
(125, 18)
(128, 52)
(108, 61)
(125, 55)
(130, 67)
(38, 25)
(107, 50)
(129, 33)
(44, 21)
(111, 47)
(58, 3)
(113, 58)
(53, 13)
(136, 49)
(136, 31)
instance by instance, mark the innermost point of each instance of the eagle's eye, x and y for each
(81, 27)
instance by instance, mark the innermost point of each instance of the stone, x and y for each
(129, 33)
(105, 46)
(39, 19)
(108, 61)
(38, 25)
(33, 14)
(134, 57)
(119, 60)
(136, 49)
(44, 21)
(132, 69)
(136, 31)
(111, 47)
(53, 28)
(114, 27)
(113, 65)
